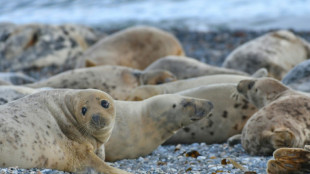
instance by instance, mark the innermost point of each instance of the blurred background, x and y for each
(198, 15)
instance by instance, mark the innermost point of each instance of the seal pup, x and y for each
(10, 93)
(283, 119)
(144, 125)
(289, 161)
(187, 67)
(228, 116)
(2, 82)
(146, 91)
(278, 51)
(118, 81)
(135, 47)
(57, 129)
(16, 78)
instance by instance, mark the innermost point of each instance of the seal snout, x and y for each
(245, 85)
(97, 121)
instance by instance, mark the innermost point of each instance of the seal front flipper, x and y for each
(100, 166)
(233, 140)
(289, 160)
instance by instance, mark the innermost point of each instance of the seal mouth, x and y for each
(97, 122)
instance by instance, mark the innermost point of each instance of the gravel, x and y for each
(193, 159)
(210, 47)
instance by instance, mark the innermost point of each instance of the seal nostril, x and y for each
(96, 119)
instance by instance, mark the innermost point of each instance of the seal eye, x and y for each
(105, 104)
(84, 110)
(251, 84)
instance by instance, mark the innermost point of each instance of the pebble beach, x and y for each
(210, 47)
(208, 38)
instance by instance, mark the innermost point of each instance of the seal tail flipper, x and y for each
(262, 72)
(289, 160)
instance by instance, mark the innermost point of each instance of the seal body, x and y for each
(142, 126)
(15, 78)
(229, 114)
(135, 47)
(277, 51)
(146, 91)
(10, 93)
(118, 81)
(186, 67)
(283, 118)
(57, 129)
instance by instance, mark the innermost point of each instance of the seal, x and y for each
(2, 82)
(277, 51)
(135, 47)
(282, 120)
(228, 116)
(57, 129)
(187, 67)
(117, 81)
(290, 160)
(146, 91)
(144, 125)
(10, 93)
(16, 78)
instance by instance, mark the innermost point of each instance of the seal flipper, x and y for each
(233, 140)
(262, 72)
(289, 160)
(102, 167)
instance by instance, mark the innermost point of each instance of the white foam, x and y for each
(200, 13)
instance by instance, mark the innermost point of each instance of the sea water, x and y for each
(191, 14)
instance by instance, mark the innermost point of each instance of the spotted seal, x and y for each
(146, 91)
(117, 81)
(283, 118)
(187, 67)
(144, 125)
(228, 117)
(278, 51)
(58, 129)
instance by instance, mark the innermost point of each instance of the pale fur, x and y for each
(228, 117)
(142, 126)
(47, 130)
(146, 91)
(278, 51)
(118, 81)
(187, 67)
(135, 47)
(282, 121)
